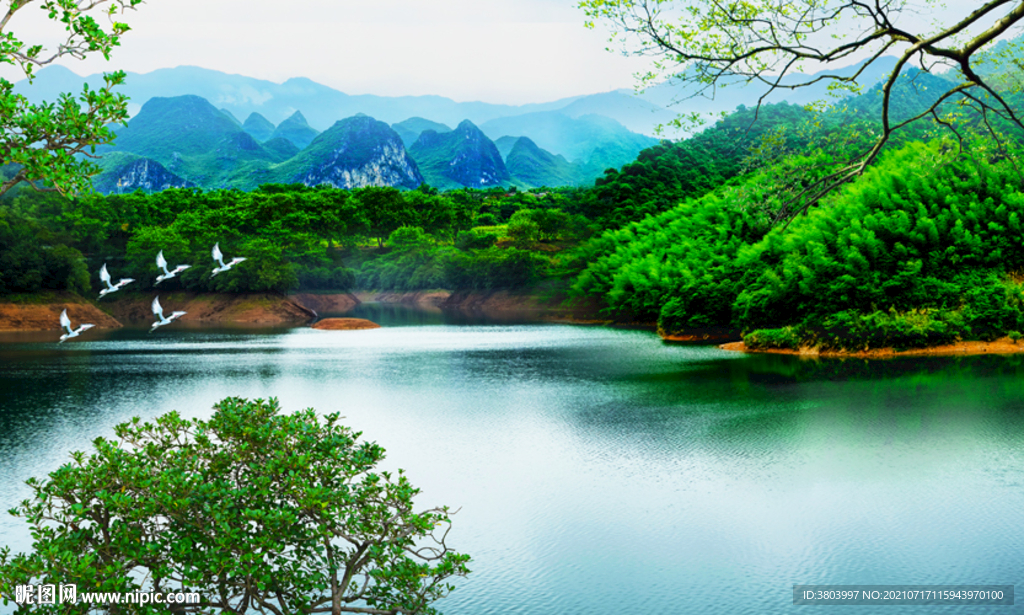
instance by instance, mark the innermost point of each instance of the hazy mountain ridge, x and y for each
(195, 143)
(322, 105)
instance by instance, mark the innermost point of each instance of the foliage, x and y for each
(708, 44)
(31, 260)
(762, 339)
(918, 249)
(917, 231)
(475, 240)
(253, 509)
(686, 255)
(48, 140)
(523, 230)
(493, 268)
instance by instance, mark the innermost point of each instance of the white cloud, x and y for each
(511, 51)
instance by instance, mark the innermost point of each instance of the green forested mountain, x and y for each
(464, 157)
(355, 152)
(258, 126)
(127, 172)
(534, 167)
(190, 138)
(195, 144)
(915, 91)
(412, 128)
(296, 130)
(186, 126)
(665, 175)
(923, 248)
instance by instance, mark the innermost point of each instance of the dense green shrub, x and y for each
(494, 268)
(523, 231)
(475, 240)
(32, 260)
(787, 338)
(918, 328)
(325, 278)
(485, 219)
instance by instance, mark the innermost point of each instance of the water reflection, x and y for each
(599, 470)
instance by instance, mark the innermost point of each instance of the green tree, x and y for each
(708, 44)
(384, 209)
(47, 140)
(254, 510)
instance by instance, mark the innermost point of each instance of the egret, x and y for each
(105, 277)
(161, 262)
(158, 311)
(219, 257)
(66, 323)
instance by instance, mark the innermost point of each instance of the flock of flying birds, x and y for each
(158, 310)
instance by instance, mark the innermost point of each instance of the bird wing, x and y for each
(177, 315)
(157, 309)
(237, 260)
(65, 321)
(181, 268)
(84, 327)
(104, 274)
(161, 262)
(217, 255)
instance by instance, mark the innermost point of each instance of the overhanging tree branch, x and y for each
(50, 142)
(707, 44)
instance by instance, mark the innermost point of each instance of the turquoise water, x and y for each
(597, 471)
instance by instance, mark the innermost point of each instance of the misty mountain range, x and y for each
(194, 126)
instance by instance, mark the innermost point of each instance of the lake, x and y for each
(597, 470)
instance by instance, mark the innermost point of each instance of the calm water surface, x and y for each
(598, 471)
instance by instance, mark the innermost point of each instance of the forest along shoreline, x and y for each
(921, 251)
(41, 312)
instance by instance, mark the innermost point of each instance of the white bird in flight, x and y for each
(66, 323)
(105, 277)
(158, 311)
(219, 257)
(161, 262)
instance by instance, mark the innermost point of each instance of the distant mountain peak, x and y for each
(355, 152)
(463, 157)
(295, 118)
(296, 130)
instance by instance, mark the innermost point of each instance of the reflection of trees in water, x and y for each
(765, 405)
(39, 388)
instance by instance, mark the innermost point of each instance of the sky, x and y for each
(499, 51)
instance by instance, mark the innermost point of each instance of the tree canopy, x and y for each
(51, 142)
(254, 510)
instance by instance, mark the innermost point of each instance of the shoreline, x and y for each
(1003, 345)
(41, 312)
